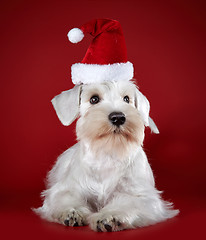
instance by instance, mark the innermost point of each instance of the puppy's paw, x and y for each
(109, 225)
(72, 218)
(106, 224)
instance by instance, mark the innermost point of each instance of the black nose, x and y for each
(117, 118)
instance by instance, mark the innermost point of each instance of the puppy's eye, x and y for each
(94, 99)
(126, 99)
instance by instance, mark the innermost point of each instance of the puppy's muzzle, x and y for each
(117, 118)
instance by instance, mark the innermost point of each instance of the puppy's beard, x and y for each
(103, 137)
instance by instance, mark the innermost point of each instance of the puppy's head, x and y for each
(112, 115)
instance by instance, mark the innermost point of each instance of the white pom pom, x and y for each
(75, 35)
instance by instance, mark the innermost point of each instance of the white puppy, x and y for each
(105, 179)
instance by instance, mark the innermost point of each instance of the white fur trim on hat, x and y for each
(95, 73)
(75, 35)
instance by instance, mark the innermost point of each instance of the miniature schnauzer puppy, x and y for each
(104, 180)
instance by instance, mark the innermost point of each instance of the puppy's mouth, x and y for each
(111, 132)
(115, 131)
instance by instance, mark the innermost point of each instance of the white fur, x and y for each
(75, 35)
(96, 73)
(105, 180)
(66, 105)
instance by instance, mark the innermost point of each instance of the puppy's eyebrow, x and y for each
(125, 92)
(128, 91)
(93, 92)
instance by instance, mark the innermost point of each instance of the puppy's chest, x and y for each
(99, 184)
(99, 188)
(100, 178)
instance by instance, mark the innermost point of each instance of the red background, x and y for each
(166, 42)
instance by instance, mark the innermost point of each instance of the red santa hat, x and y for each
(106, 57)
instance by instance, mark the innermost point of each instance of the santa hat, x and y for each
(106, 57)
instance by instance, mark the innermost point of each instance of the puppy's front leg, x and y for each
(64, 207)
(117, 215)
(73, 217)
(126, 211)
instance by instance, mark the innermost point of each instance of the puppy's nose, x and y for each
(117, 118)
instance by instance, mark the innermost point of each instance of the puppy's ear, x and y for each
(67, 104)
(143, 106)
(153, 126)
